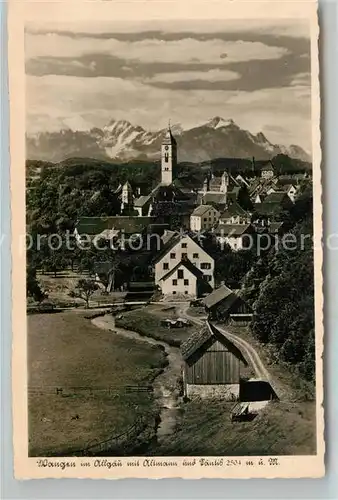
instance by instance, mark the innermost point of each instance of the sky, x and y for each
(257, 73)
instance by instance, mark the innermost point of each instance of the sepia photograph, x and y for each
(170, 256)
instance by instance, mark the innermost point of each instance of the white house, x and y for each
(184, 247)
(237, 236)
(235, 214)
(204, 217)
(183, 280)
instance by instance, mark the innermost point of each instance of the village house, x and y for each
(203, 218)
(184, 280)
(184, 247)
(235, 214)
(267, 170)
(288, 188)
(237, 236)
(226, 305)
(212, 365)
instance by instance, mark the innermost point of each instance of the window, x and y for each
(209, 278)
(166, 157)
(165, 265)
(174, 282)
(173, 256)
(184, 245)
(195, 255)
(184, 256)
(174, 293)
(180, 274)
(186, 292)
(186, 282)
(205, 219)
(205, 265)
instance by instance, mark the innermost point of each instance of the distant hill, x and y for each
(147, 173)
(121, 141)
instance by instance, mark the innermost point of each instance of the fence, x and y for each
(88, 390)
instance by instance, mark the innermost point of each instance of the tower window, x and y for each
(166, 157)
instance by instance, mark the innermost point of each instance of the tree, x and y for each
(33, 286)
(84, 290)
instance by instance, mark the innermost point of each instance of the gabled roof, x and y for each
(142, 200)
(267, 166)
(202, 209)
(234, 209)
(172, 243)
(188, 265)
(197, 340)
(276, 197)
(232, 229)
(168, 235)
(217, 198)
(217, 295)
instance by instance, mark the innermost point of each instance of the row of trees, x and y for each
(280, 288)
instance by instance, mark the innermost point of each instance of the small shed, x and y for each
(212, 365)
(226, 305)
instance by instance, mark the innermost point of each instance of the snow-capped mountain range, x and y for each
(121, 141)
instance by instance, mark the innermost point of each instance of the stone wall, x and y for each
(228, 392)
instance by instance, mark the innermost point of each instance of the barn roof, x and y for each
(219, 294)
(198, 339)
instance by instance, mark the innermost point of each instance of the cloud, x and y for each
(213, 75)
(53, 102)
(296, 28)
(301, 79)
(187, 50)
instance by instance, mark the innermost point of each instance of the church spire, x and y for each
(168, 156)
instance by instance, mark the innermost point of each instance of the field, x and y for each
(59, 287)
(93, 368)
(281, 428)
(147, 321)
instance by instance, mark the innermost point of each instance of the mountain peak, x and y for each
(123, 141)
(218, 122)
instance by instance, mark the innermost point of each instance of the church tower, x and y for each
(168, 157)
(126, 196)
(224, 182)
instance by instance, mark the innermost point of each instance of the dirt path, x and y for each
(166, 388)
(248, 351)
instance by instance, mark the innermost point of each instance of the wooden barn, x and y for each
(212, 365)
(225, 305)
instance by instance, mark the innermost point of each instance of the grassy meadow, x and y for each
(93, 368)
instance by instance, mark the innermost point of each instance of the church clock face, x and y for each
(166, 148)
